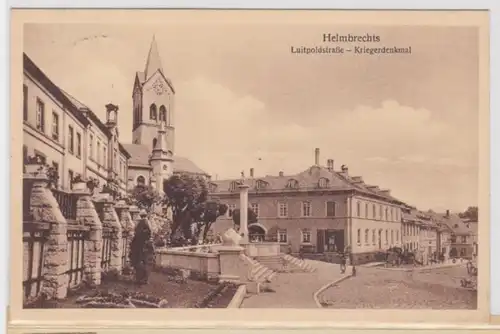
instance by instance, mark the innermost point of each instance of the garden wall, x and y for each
(69, 237)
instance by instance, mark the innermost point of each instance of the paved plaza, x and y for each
(385, 289)
(437, 288)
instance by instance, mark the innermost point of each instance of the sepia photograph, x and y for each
(281, 164)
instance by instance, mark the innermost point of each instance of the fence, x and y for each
(106, 248)
(125, 248)
(76, 239)
(34, 240)
(67, 203)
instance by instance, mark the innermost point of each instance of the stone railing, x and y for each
(66, 240)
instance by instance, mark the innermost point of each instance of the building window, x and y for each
(25, 102)
(255, 208)
(163, 114)
(115, 161)
(233, 186)
(70, 178)
(380, 212)
(282, 236)
(366, 210)
(358, 209)
(386, 237)
(323, 183)
(40, 115)
(25, 157)
(283, 209)
(374, 237)
(367, 237)
(397, 236)
(358, 237)
(55, 126)
(71, 139)
(78, 144)
(141, 180)
(331, 209)
(121, 170)
(464, 239)
(98, 155)
(306, 209)
(91, 146)
(55, 165)
(292, 184)
(260, 184)
(462, 252)
(387, 214)
(231, 209)
(306, 236)
(392, 237)
(152, 112)
(374, 214)
(104, 157)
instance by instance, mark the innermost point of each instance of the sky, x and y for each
(408, 123)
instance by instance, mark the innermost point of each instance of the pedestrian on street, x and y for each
(141, 249)
(343, 261)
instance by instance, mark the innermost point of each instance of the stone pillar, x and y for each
(45, 209)
(86, 214)
(111, 219)
(231, 266)
(134, 213)
(244, 213)
(127, 224)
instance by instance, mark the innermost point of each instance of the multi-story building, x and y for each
(317, 210)
(463, 236)
(410, 229)
(68, 135)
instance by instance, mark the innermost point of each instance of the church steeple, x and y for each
(153, 63)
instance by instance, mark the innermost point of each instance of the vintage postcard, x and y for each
(331, 165)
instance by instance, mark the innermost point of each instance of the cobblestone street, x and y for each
(386, 289)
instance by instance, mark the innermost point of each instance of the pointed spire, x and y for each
(153, 63)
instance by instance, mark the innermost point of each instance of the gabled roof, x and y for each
(30, 67)
(93, 117)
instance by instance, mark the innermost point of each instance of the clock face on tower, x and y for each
(159, 87)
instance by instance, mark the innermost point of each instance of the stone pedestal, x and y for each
(87, 215)
(244, 213)
(231, 268)
(111, 220)
(127, 224)
(45, 209)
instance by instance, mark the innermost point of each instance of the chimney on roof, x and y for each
(344, 169)
(316, 156)
(447, 213)
(281, 174)
(251, 172)
(111, 114)
(329, 165)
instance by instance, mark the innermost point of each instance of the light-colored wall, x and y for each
(133, 174)
(55, 150)
(147, 131)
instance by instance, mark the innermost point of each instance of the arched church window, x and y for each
(163, 114)
(154, 142)
(141, 180)
(152, 111)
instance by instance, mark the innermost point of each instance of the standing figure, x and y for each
(141, 249)
(343, 260)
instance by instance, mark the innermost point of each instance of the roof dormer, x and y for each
(261, 184)
(292, 184)
(323, 182)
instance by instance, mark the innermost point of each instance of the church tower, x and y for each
(153, 103)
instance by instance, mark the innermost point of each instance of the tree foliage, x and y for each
(471, 213)
(251, 217)
(145, 197)
(192, 212)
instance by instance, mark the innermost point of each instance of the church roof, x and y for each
(153, 63)
(140, 157)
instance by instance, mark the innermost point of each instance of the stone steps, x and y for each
(258, 272)
(299, 263)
